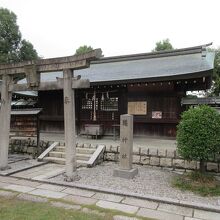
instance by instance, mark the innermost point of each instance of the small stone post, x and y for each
(126, 149)
(69, 125)
(5, 116)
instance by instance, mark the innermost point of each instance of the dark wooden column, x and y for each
(123, 101)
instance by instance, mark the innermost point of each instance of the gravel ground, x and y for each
(150, 181)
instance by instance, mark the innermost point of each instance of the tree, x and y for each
(12, 47)
(216, 72)
(83, 49)
(198, 134)
(27, 51)
(163, 45)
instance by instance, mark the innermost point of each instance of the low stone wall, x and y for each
(161, 158)
(27, 146)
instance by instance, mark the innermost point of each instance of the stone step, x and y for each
(78, 150)
(82, 163)
(62, 161)
(55, 160)
(63, 154)
(57, 154)
(85, 150)
(60, 148)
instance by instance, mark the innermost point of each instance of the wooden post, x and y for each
(94, 106)
(69, 125)
(38, 135)
(5, 116)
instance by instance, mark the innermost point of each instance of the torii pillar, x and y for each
(5, 116)
(69, 125)
(32, 69)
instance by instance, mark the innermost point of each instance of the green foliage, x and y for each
(10, 36)
(83, 49)
(12, 47)
(163, 45)
(20, 210)
(198, 134)
(199, 183)
(216, 72)
(27, 51)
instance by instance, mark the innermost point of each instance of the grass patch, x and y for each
(110, 212)
(14, 209)
(202, 184)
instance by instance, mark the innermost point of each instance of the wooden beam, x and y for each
(53, 85)
(53, 64)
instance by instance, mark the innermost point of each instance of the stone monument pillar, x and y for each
(126, 149)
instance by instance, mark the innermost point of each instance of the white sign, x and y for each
(157, 114)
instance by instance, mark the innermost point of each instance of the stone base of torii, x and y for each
(68, 83)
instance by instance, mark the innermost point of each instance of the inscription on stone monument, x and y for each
(126, 148)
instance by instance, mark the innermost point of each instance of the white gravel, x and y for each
(150, 181)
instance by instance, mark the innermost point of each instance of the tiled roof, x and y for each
(165, 65)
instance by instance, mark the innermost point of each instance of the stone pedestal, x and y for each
(125, 169)
(127, 174)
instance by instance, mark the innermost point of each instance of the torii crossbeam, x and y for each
(68, 83)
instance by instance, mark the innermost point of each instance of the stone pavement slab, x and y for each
(80, 200)
(29, 175)
(5, 179)
(27, 183)
(206, 215)
(19, 188)
(117, 206)
(48, 193)
(176, 209)
(108, 197)
(121, 217)
(65, 205)
(42, 170)
(3, 184)
(32, 170)
(21, 165)
(8, 194)
(48, 174)
(51, 187)
(79, 192)
(189, 218)
(140, 202)
(149, 213)
(200, 206)
(32, 198)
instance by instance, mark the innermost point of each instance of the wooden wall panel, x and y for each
(158, 97)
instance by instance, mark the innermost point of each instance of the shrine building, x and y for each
(148, 85)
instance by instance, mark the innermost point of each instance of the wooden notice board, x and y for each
(137, 108)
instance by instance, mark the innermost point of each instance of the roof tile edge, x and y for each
(157, 54)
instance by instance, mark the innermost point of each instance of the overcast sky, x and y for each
(59, 27)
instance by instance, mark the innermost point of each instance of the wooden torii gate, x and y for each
(68, 83)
